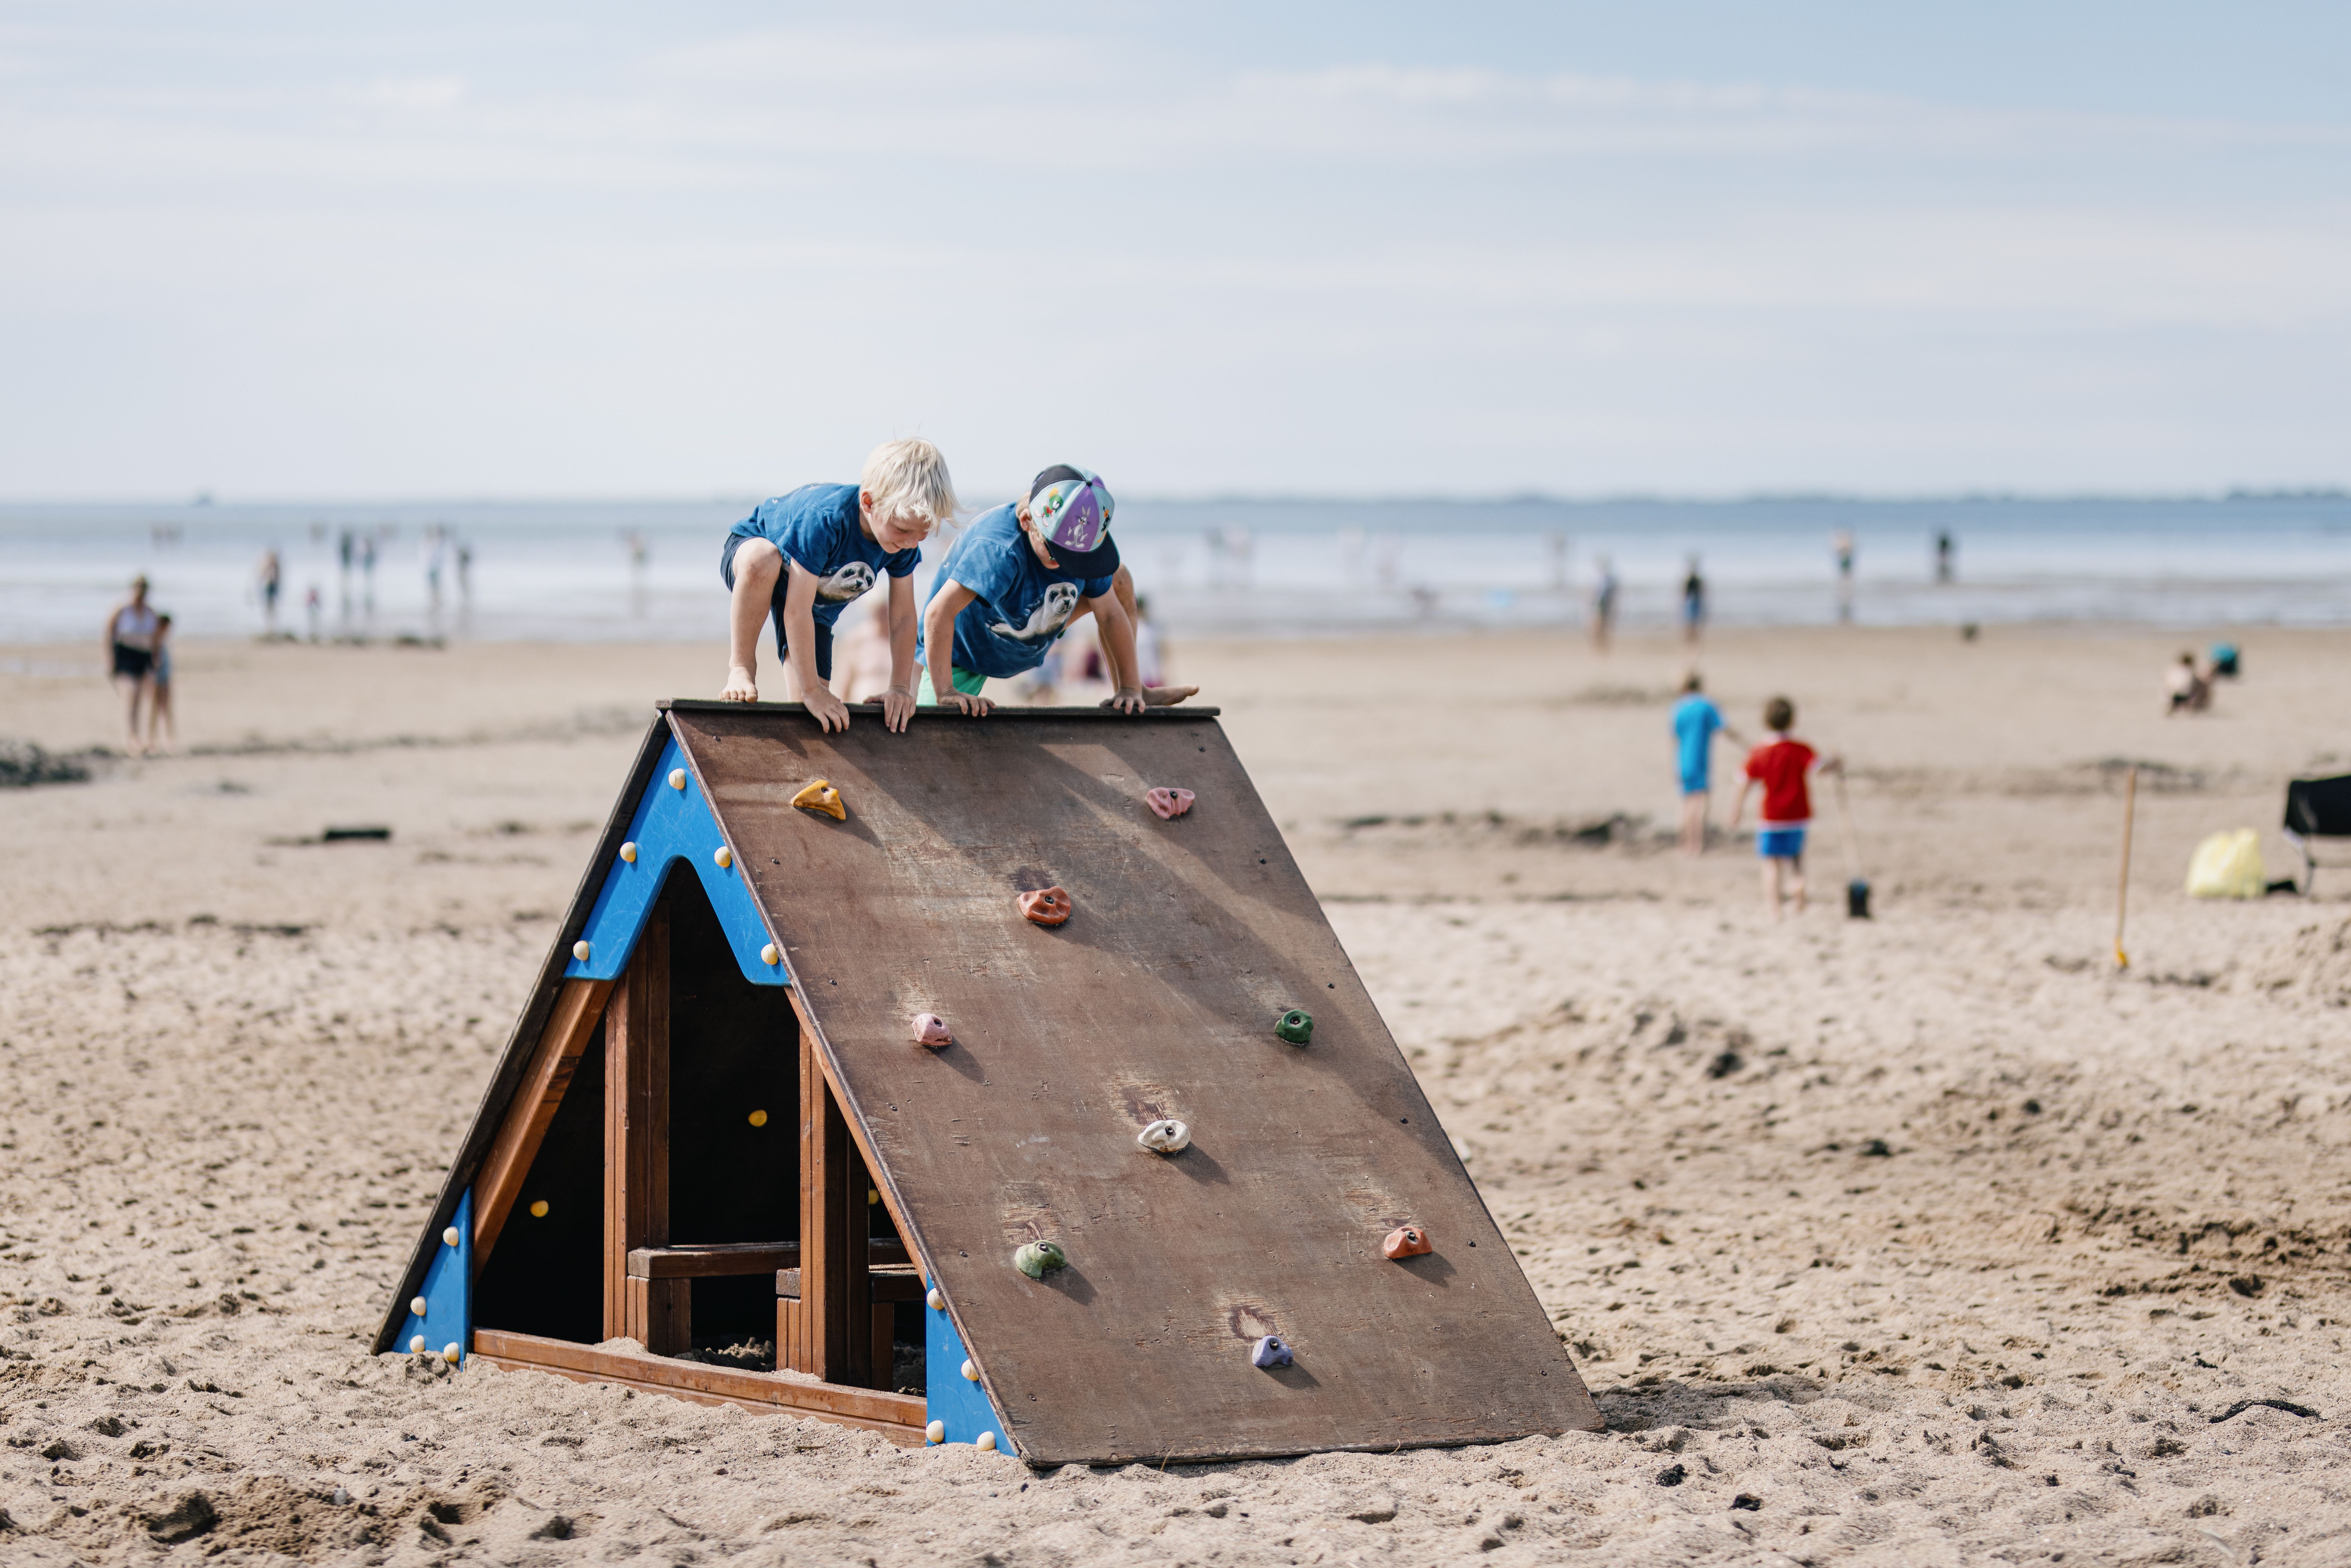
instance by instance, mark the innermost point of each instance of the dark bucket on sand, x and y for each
(1856, 899)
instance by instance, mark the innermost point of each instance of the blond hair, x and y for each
(908, 479)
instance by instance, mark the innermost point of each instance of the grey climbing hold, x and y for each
(1165, 1137)
(1270, 1352)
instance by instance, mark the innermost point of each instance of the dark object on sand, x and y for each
(1673, 1475)
(1856, 899)
(1856, 886)
(23, 764)
(335, 835)
(2288, 1406)
(2316, 809)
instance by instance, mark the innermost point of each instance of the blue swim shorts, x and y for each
(1697, 785)
(1780, 843)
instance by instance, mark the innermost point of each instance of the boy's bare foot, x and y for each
(1158, 696)
(741, 687)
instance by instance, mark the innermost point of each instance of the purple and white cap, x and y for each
(1071, 510)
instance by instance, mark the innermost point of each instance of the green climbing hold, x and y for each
(1038, 1259)
(1296, 1026)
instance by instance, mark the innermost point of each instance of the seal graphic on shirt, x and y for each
(848, 582)
(1048, 619)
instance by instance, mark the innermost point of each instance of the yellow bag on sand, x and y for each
(2228, 865)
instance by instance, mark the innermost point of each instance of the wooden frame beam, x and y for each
(719, 1260)
(827, 1331)
(898, 1416)
(656, 1314)
(578, 1007)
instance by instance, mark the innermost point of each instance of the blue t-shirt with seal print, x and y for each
(1021, 607)
(817, 526)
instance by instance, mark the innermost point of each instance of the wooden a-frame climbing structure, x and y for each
(712, 1129)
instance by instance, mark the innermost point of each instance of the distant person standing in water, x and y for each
(1693, 604)
(1603, 602)
(1695, 722)
(1842, 544)
(131, 655)
(271, 574)
(1943, 570)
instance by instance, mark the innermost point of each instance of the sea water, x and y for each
(620, 571)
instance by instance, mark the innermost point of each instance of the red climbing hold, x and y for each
(1169, 803)
(1048, 906)
(1407, 1242)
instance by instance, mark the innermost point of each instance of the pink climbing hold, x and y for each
(932, 1030)
(1404, 1241)
(1169, 803)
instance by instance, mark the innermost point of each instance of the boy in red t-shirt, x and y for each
(1781, 764)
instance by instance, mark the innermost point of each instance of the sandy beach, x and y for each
(1924, 1240)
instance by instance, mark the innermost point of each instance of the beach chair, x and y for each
(2316, 809)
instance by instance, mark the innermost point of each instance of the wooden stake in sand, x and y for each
(2121, 885)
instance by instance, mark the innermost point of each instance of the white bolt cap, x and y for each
(677, 778)
(418, 1306)
(451, 1353)
(769, 956)
(417, 1345)
(724, 856)
(971, 1372)
(937, 1432)
(986, 1444)
(935, 1302)
(581, 949)
(450, 1238)
(629, 852)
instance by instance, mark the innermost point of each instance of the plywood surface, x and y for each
(1156, 999)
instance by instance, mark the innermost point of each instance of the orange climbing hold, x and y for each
(1169, 803)
(820, 795)
(1046, 906)
(1406, 1242)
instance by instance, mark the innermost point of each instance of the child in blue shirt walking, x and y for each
(801, 559)
(1014, 581)
(1695, 722)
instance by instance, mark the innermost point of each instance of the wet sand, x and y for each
(1931, 1237)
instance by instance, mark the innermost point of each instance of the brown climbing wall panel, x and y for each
(1156, 999)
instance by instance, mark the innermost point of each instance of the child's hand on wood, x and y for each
(1126, 699)
(897, 708)
(829, 712)
(964, 702)
(741, 687)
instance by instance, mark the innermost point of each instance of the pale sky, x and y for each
(304, 251)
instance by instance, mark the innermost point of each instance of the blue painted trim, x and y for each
(948, 1395)
(448, 1291)
(672, 825)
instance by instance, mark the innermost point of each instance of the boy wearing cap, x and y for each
(1015, 580)
(801, 559)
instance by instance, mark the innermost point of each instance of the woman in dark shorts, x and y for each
(131, 645)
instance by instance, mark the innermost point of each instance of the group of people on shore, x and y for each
(138, 640)
(1014, 581)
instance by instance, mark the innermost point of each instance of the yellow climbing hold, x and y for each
(872, 1198)
(820, 795)
(758, 1118)
(539, 1210)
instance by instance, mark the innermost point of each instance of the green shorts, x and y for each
(967, 682)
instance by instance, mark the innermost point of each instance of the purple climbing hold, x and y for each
(1270, 1352)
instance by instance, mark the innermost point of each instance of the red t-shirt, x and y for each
(1779, 768)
